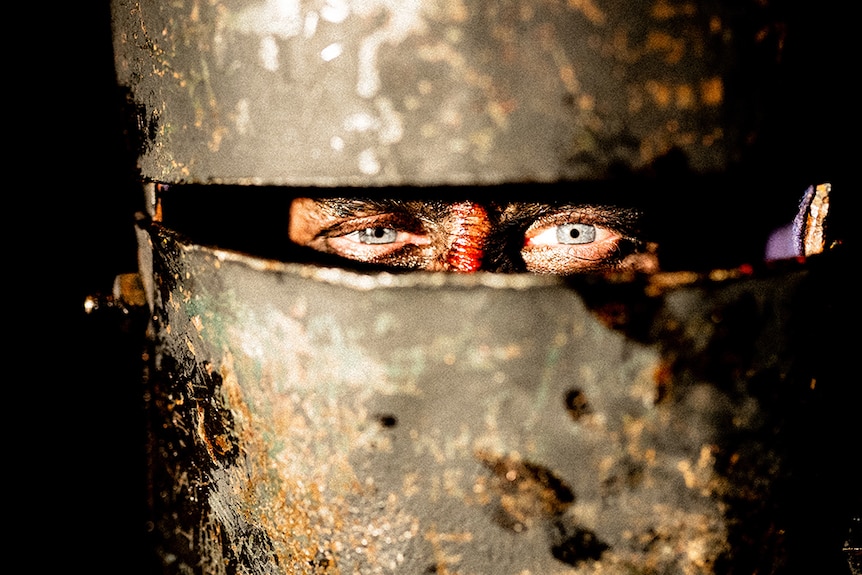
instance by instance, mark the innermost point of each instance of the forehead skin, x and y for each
(307, 218)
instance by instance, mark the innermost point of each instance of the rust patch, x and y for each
(526, 492)
(530, 495)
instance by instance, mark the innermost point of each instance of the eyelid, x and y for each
(568, 216)
(541, 226)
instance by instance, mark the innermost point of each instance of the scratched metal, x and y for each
(313, 420)
(374, 92)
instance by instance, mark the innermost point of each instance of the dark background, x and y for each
(78, 400)
(80, 468)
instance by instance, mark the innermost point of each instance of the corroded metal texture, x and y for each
(370, 92)
(312, 420)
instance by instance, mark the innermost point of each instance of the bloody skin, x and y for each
(466, 236)
(469, 231)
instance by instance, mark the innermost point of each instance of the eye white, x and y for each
(373, 236)
(568, 234)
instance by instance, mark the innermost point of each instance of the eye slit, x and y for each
(576, 233)
(374, 235)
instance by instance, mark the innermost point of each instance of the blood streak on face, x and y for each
(469, 227)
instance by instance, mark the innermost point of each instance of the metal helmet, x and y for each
(309, 419)
(432, 92)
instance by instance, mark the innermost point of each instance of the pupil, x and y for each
(378, 232)
(574, 232)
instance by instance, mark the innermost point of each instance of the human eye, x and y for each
(371, 231)
(371, 242)
(572, 241)
(375, 236)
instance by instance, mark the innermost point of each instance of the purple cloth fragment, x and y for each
(788, 240)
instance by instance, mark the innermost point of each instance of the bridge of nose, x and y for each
(468, 226)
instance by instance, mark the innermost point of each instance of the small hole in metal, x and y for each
(576, 404)
(387, 420)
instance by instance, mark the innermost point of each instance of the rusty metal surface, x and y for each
(310, 420)
(367, 92)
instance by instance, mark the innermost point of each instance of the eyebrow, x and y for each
(342, 207)
(625, 219)
(345, 207)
